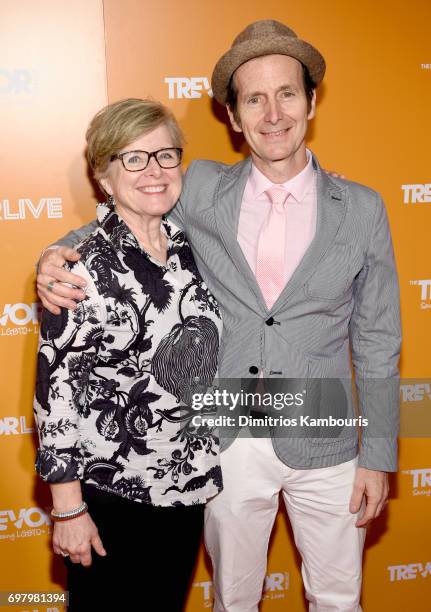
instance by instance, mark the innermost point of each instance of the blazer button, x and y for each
(270, 321)
(253, 370)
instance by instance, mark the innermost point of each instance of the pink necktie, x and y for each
(270, 264)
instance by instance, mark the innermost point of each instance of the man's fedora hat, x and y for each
(265, 37)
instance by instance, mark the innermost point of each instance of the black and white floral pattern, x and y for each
(116, 376)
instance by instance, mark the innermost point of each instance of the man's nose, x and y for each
(273, 112)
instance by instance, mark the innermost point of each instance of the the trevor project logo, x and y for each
(24, 523)
(417, 392)
(275, 586)
(425, 292)
(17, 81)
(25, 208)
(416, 193)
(188, 87)
(421, 481)
(15, 426)
(409, 571)
(19, 319)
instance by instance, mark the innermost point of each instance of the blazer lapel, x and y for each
(227, 202)
(331, 210)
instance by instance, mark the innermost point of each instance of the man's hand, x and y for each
(51, 269)
(75, 537)
(374, 485)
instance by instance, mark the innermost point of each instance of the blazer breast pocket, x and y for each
(331, 278)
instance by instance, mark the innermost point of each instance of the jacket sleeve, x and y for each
(375, 336)
(177, 214)
(76, 236)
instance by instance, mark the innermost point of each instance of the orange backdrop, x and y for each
(62, 61)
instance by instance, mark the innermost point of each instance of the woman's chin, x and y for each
(148, 208)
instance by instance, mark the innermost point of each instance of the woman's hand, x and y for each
(75, 537)
(51, 271)
(334, 174)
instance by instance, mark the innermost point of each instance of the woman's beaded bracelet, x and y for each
(70, 514)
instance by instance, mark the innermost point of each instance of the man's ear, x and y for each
(234, 123)
(312, 111)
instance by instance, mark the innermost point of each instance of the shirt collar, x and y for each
(298, 186)
(121, 236)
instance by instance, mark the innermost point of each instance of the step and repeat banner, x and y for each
(59, 63)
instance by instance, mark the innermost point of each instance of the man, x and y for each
(302, 267)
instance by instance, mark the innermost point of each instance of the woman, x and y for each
(129, 474)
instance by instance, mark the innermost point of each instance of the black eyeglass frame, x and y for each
(150, 155)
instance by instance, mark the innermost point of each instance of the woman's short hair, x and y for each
(120, 123)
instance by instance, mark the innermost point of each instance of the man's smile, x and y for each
(277, 134)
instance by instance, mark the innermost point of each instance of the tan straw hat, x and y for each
(266, 37)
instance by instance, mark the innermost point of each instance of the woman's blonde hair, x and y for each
(120, 123)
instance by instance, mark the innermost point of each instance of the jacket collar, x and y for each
(331, 209)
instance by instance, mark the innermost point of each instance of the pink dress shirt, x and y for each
(301, 211)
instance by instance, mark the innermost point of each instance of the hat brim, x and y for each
(250, 49)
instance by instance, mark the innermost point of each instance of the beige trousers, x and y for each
(238, 524)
